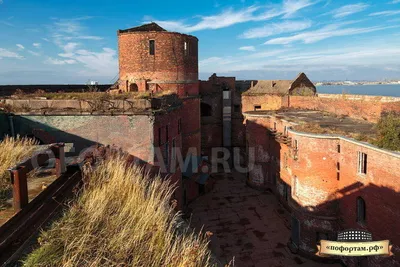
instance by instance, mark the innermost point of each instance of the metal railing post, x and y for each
(20, 188)
(60, 159)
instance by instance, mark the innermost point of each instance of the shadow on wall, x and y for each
(355, 205)
(47, 133)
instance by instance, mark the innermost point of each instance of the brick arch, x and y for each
(133, 87)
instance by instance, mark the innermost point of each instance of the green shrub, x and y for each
(388, 129)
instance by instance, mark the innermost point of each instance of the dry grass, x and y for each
(121, 218)
(317, 129)
(12, 151)
(83, 96)
(89, 95)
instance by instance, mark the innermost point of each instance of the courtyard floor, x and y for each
(250, 228)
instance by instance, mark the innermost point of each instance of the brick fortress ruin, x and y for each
(327, 181)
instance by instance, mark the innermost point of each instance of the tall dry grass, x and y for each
(121, 218)
(12, 151)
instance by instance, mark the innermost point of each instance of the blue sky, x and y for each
(63, 41)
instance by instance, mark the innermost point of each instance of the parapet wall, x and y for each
(8, 90)
(87, 106)
(362, 107)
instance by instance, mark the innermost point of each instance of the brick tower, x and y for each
(153, 59)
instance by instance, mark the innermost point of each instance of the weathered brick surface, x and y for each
(267, 102)
(84, 131)
(211, 92)
(170, 137)
(170, 63)
(323, 195)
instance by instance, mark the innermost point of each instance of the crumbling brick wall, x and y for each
(169, 66)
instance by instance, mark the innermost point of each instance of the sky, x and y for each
(60, 42)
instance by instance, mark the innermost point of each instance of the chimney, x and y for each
(273, 83)
(252, 84)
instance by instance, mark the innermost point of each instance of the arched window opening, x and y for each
(206, 110)
(361, 210)
(133, 87)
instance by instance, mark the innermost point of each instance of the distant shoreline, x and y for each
(355, 83)
(391, 90)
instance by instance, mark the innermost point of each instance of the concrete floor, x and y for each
(250, 227)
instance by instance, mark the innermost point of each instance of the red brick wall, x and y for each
(267, 102)
(168, 64)
(379, 188)
(359, 109)
(191, 130)
(171, 120)
(322, 201)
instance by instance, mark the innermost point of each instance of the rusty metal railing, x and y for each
(19, 173)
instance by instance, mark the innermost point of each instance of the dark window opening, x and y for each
(338, 166)
(275, 179)
(338, 148)
(166, 155)
(361, 210)
(202, 189)
(179, 126)
(362, 163)
(152, 47)
(206, 110)
(338, 176)
(321, 236)
(225, 86)
(133, 87)
(159, 137)
(236, 108)
(274, 125)
(286, 192)
(173, 151)
(257, 107)
(166, 133)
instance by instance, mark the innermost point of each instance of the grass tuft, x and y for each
(122, 217)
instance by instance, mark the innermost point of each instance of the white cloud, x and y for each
(20, 46)
(70, 29)
(99, 62)
(55, 61)
(4, 53)
(290, 7)
(329, 31)
(276, 28)
(231, 17)
(371, 55)
(37, 45)
(395, 2)
(386, 13)
(33, 53)
(63, 31)
(70, 47)
(348, 10)
(247, 48)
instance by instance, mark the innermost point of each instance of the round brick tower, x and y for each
(153, 59)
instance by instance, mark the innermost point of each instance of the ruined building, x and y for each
(301, 144)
